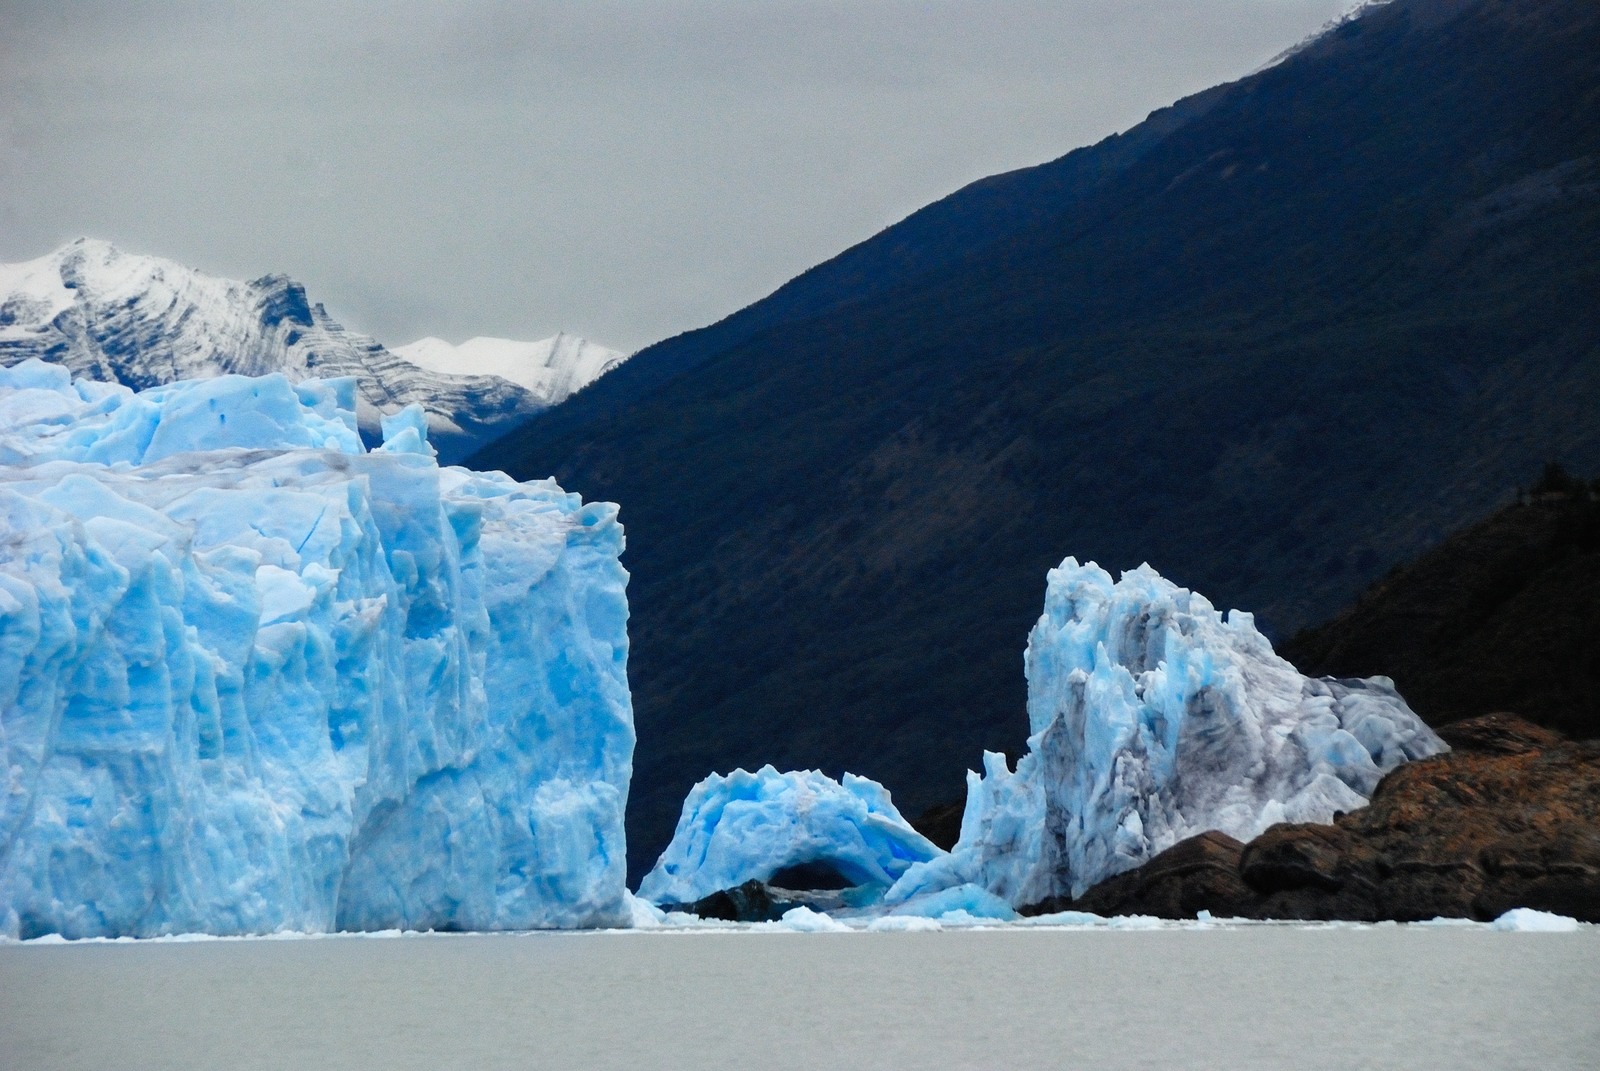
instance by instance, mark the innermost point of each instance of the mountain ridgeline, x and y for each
(144, 321)
(1273, 340)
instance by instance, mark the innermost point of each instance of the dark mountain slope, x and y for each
(1504, 615)
(949, 230)
(1293, 341)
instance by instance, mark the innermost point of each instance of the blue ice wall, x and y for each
(254, 679)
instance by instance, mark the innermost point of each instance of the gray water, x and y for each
(1262, 997)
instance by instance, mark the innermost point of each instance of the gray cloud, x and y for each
(626, 170)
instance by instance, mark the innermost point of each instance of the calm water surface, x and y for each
(1263, 997)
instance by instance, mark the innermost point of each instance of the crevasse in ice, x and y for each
(254, 679)
(1154, 717)
(756, 825)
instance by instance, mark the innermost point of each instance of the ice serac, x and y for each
(1154, 718)
(255, 679)
(141, 321)
(758, 826)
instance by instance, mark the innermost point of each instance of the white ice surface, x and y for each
(903, 924)
(253, 679)
(805, 920)
(552, 369)
(1155, 718)
(1527, 920)
(35, 293)
(750, 825)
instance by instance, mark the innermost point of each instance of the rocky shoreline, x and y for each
(1510, 817)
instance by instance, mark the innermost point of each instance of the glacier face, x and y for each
(1154, 718)
(255, 679)
(754, 825)
(142, 321)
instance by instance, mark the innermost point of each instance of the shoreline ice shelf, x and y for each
(1154, 718)
(254, 678)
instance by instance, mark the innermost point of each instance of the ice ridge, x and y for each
(1154, 718)
(256, 679)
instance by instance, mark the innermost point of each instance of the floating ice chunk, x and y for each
(1527, 920)
(643, 915)
(903, 924)
(975, 900)
(1064, 918)
(1154, 718)
(960, 918)
(805, 920)
(757, 825)
(294, 687)
(1135, 922)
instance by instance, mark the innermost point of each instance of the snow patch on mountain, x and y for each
(143, 321)
(552, 369)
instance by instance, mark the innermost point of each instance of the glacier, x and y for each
(142, 321)
(255, 678)
(752, 826)
(1154, 718)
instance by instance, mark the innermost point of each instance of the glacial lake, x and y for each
(1270, 997)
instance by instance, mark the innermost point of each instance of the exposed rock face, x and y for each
(1201, 873)
(757, 901)
(750, 902)
(1510, 818)
(1499, 734)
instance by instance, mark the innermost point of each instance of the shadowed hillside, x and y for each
(1503, 616)
(1273, 341)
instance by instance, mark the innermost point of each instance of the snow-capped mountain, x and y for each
(140, 321)
(552, 369)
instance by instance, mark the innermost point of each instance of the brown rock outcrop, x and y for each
(1199, 873)
(1510, 818)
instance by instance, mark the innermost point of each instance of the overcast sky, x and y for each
(624, 170)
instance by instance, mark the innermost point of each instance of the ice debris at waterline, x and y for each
(1154, 717)
(1528, 920)
(800, 830)
(254, 679)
